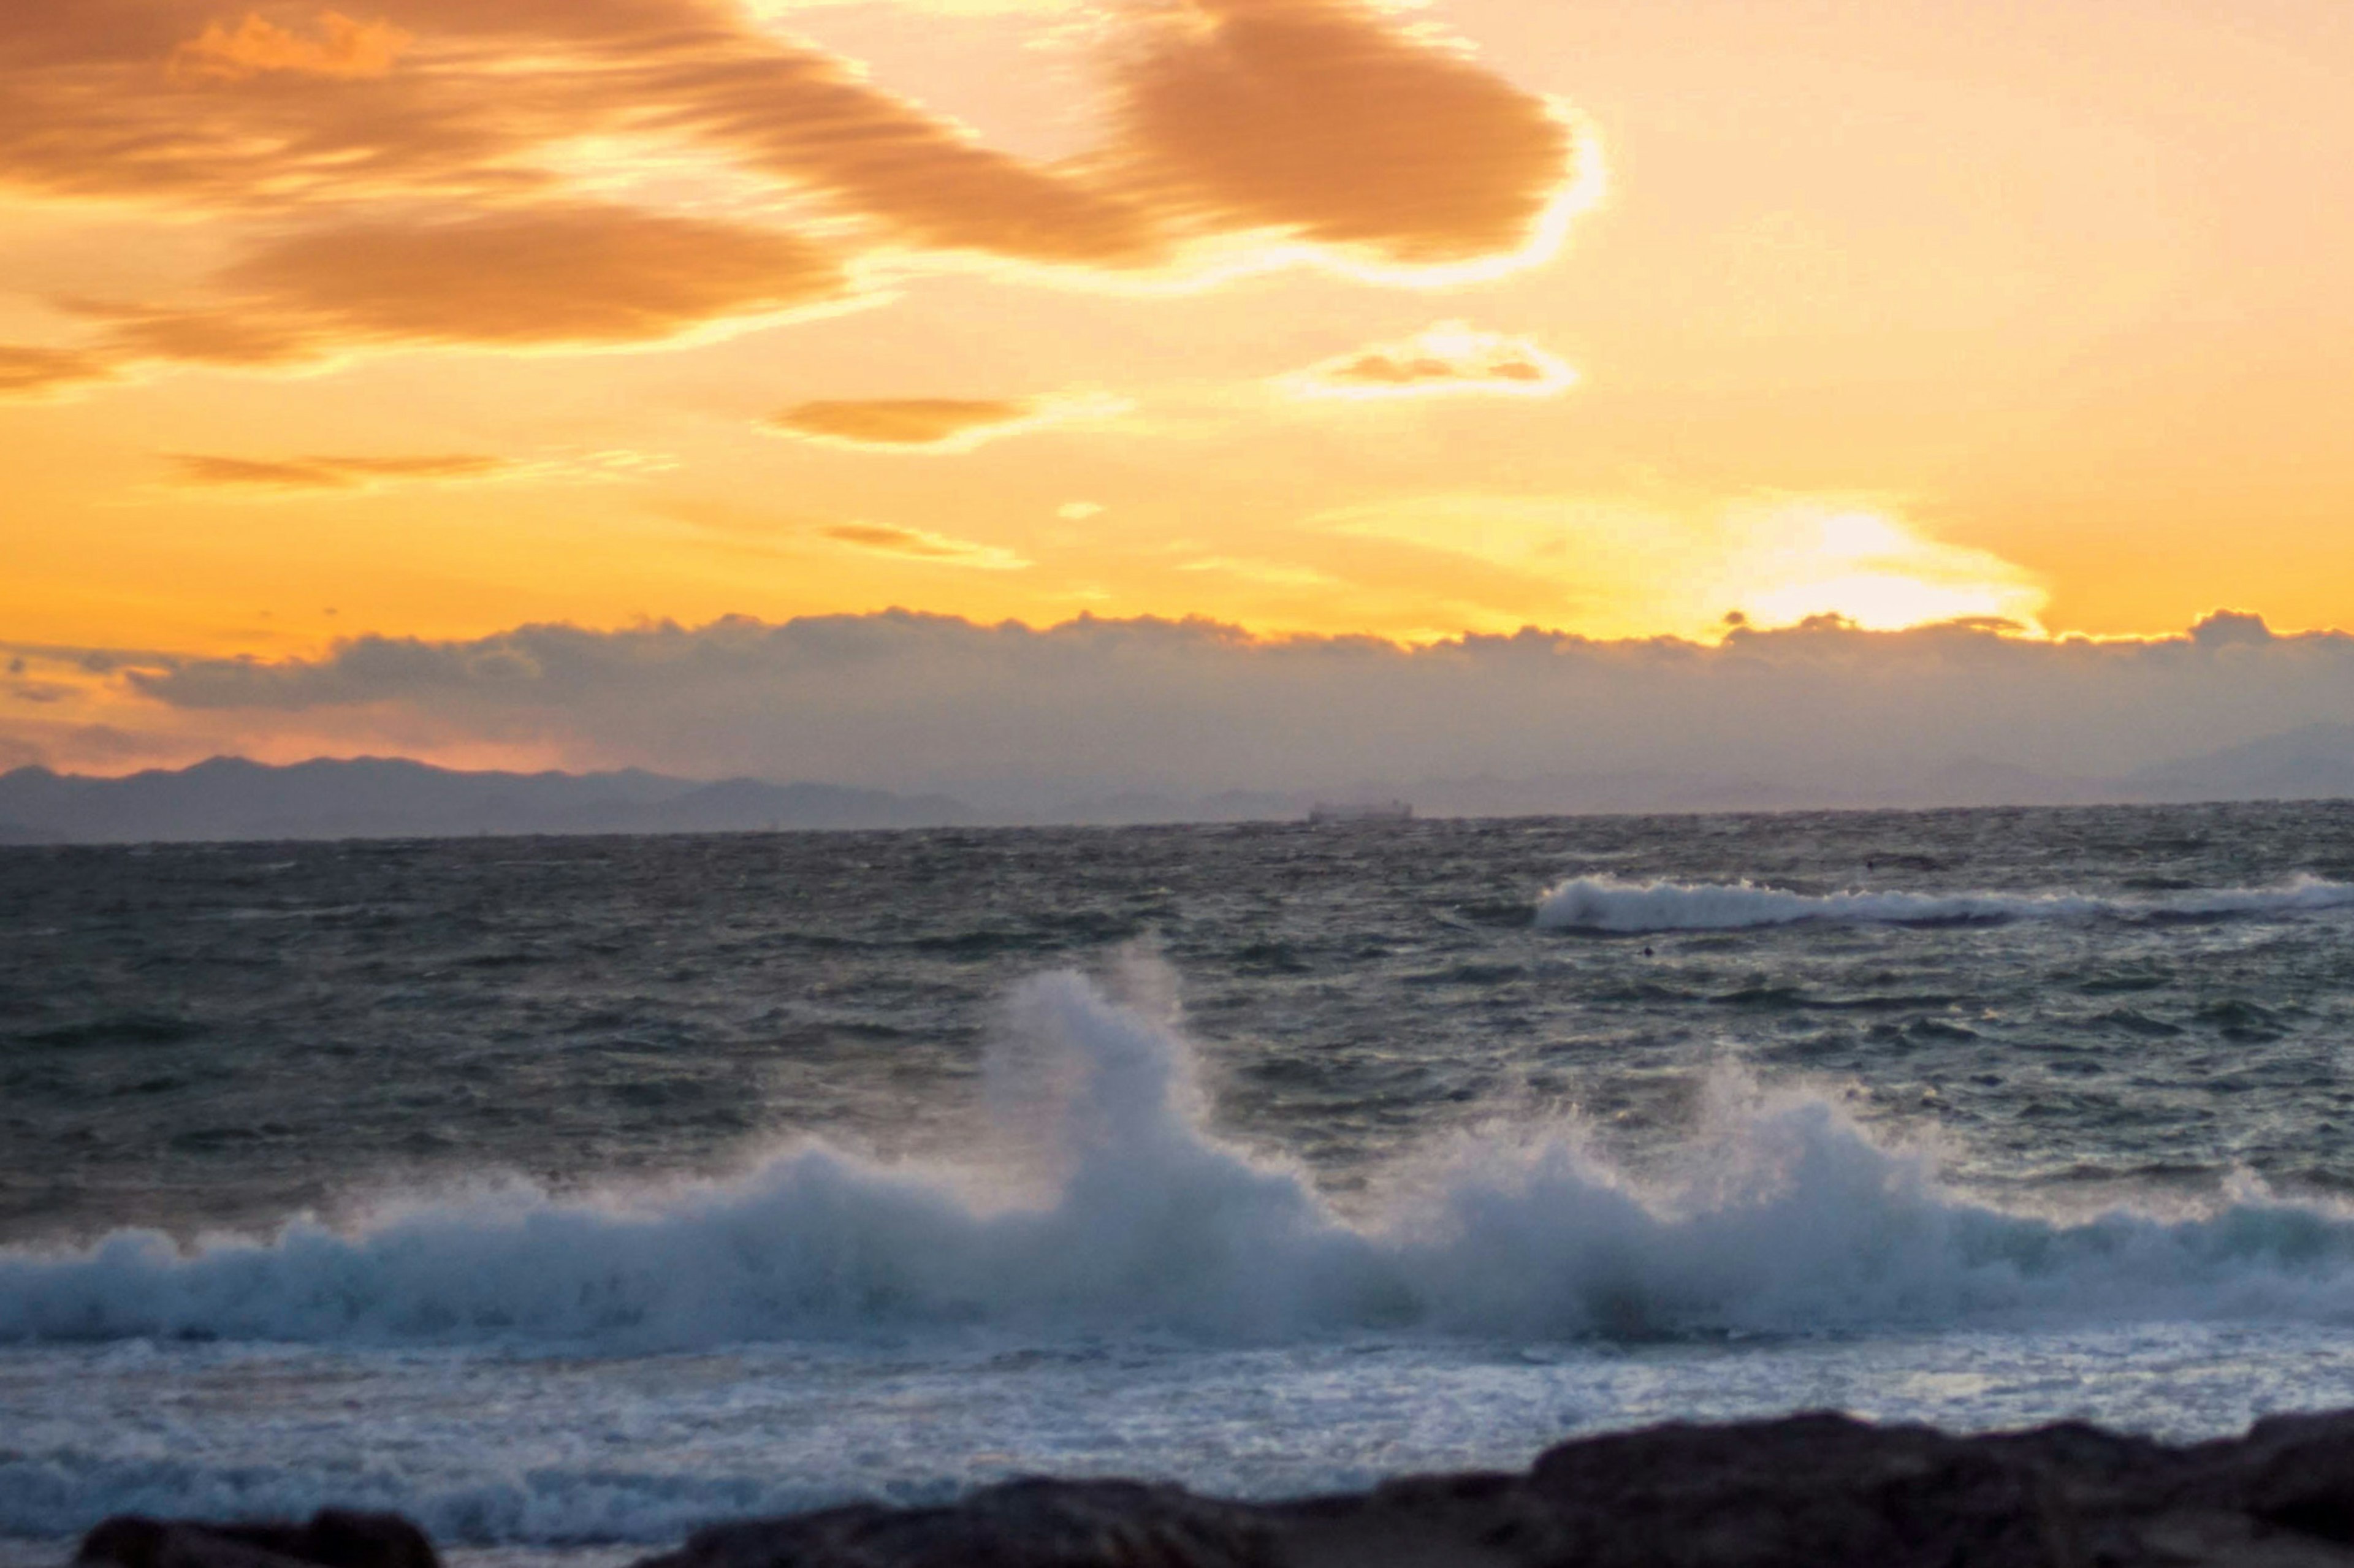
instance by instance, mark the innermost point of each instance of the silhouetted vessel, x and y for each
(1325, 811)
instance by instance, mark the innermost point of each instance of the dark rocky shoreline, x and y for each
(1805, 1491)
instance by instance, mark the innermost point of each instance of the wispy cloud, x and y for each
(341, 47)
(404, 183)
(29, 372)
(1451, 359)
(560, 275)
(944, 422)
(209, 470)
(940, 424)
(1274, 573)
(316, 471)
(573, 272)
(916, 544)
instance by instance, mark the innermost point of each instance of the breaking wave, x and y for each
(1610, 904)
(1784, 1215)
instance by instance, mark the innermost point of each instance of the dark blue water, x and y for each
(627, 1182)
(214, 1034)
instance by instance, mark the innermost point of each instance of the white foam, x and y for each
(1785, 1215)
(484, 1447)
(1613, 904)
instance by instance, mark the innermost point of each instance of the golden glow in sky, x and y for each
(434, 318)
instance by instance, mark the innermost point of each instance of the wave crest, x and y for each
(1612, 904)
(1785, 1215)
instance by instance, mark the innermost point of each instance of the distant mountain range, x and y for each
(228, 798)
(2316, 763)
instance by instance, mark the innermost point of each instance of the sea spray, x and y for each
(1782, 1216)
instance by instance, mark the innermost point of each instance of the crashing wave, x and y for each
(1785, 1215)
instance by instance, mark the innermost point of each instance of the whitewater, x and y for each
(1613, 904)
(1781, 1217)
(568, 1193)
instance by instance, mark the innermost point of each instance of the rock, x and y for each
(1799, 1493)
(1806, 1491)
(1021, 1524)
(2300, 1475)
(336, 1538)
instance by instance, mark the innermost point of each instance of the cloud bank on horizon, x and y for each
(1008, 716)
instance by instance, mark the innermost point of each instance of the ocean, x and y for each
(567, 1193)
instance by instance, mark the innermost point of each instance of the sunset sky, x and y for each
(426, 322)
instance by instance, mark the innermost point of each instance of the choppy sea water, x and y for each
(572, 1192)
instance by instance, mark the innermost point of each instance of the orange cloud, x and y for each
(158, 100)
(1449, 359)
(915, 543)
(577, 272)
(933, 424)
(573, 274)
(1270, 123)
(192, 336)
(207, 470)
(889, 422)
(343, 49)
(1277, 574)
(808, 119)
(1324, 120)
(27, 372)
(487, 93)
(1320, 118)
